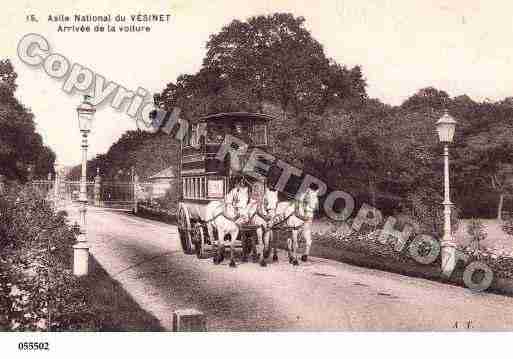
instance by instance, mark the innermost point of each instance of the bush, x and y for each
(167, 203)
(37, 288)
(425, 208)
(508, 226)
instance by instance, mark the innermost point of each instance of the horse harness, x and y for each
(263, 216)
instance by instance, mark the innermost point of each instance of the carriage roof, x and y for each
(235, 116)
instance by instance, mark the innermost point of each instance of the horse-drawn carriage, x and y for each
(208, 179)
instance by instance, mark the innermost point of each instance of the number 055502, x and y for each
(33, 346)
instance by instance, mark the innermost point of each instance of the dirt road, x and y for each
(145, 256)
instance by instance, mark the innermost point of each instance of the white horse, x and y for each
(296, 215)
(266, 214)
(227, 219)
(222, 217)
(261, 211)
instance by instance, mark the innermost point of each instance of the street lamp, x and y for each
(85, 112)
(445, 127)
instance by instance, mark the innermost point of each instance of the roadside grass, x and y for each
(112, 308)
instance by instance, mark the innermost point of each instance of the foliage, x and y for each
(37, 289)
(25, 216)
(169, 202)
(147, 153)
(508, 225)
(278, 60)
(427, 97)
(21, 147)
(425, 209)
(326, 124)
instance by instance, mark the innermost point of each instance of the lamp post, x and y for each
(445, 127)
(85, 112)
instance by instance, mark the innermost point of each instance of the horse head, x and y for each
(269, 203)
(307, 204)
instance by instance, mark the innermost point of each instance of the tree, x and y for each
(428, 97)
(270, 64)
(147, 152)
(502, 182)
(44, 163)
(278, 60)
(489, 158)
(485, 151)
(20, 146)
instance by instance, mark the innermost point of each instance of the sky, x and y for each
(462, 47)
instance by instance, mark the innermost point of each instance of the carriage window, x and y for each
(194, 187)
(187, 188)
(203, 189)
(190, 188)
(216, 188)
(187, 137)
(259, 134)
(194, 135)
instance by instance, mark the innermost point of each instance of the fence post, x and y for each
(135, 186)
(56, 186)
(97, 188)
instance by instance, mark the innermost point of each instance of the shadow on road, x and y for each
(114, 309)
(187, 282)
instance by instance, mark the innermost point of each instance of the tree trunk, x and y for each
(499, 210)
(372, 191)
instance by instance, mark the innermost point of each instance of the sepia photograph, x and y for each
(283, 170)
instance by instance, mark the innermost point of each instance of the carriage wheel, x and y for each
(199, 242)
(185, 229)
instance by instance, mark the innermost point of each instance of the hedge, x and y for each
(37, 288)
